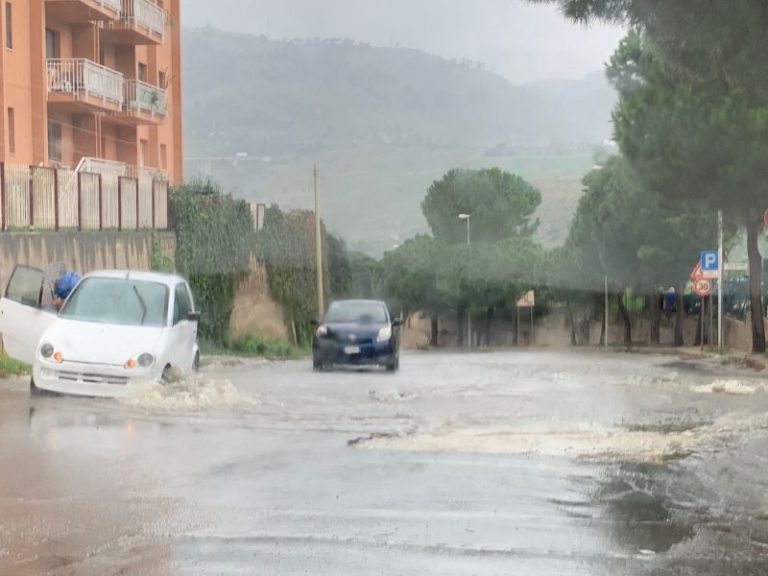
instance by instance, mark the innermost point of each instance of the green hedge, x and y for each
(214, 244)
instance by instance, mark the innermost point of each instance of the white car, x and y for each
(117, 328)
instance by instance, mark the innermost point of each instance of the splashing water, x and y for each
(191, 393)
(735, 387)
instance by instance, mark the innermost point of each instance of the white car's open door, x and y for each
(23, 317)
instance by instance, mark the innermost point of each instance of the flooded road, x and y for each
(521, 463)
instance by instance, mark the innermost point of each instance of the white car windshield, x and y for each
(118, 301)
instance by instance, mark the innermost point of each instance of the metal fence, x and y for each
(41, 198)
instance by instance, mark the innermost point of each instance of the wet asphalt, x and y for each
(530, 462)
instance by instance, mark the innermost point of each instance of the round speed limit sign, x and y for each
(702, 287)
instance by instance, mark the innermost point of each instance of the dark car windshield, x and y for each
(351, 311)
(118, 301)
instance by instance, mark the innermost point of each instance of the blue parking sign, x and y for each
(709, 261)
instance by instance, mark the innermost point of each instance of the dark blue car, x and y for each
(357, 332)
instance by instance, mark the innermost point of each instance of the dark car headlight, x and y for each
(384, 334)
(46, 350)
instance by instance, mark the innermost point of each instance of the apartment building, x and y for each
(92, 85)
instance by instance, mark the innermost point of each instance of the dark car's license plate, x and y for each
(351, 349)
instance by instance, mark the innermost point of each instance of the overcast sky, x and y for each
(517, 40)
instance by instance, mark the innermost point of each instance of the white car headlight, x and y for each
(46, 350)
(144, 360)
(384, 334)
(321, 331)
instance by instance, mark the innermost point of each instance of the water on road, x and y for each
(539, 462)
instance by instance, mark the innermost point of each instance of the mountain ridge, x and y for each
(383, 122)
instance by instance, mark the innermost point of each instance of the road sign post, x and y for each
(720, 280)
(528, 300)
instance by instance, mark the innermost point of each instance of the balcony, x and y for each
(144, 103)
(83, 10)
(141, 22)
(84, 85)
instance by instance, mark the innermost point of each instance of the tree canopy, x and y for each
(501, 205)
(693, 112)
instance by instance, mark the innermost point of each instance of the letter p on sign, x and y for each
(709, 260)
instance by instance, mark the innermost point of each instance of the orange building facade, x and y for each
(89, 84)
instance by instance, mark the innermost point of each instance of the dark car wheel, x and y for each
(317, 364)
(394, 364)
(33, 389)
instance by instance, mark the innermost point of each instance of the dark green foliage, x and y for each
(442, 273)
(160, 262)
(287, 248)
(501, 205)
(214, 243)
(11, 367)
(352, 274)
(693, 111)
(268, 349)
(410, 276)
(636, 237)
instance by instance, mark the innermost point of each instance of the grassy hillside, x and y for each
(382, 124)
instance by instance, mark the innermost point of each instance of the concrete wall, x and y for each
(254, 314)
(80, 251)
(553, 330)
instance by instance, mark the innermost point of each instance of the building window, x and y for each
(163, 157)
(162, 80)
(11, 131)
(8, 25)
(52, 44)
(142, 72)
(143, 152)
(54, 141)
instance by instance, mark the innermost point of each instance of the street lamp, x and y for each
(467, 218)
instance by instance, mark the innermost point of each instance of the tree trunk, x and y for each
(460, 321)
(656, 303)
(679, 315)
(698, 341)
(602, 327)
(515, 326)
(572, 325)
(755, 288)
(488, 321)
(624, 315)
(433, 330)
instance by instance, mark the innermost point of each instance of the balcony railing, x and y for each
(82, 11)
(84, 78)
(145, 98)
(145, 15)
(111, 4)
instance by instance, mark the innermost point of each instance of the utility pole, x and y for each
(467, 218)
(606, 312)
(720, 266)
(318, 250)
